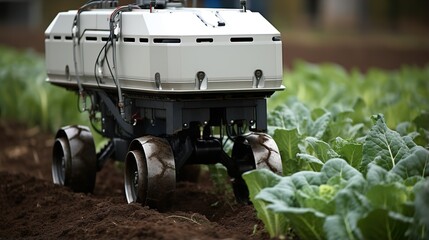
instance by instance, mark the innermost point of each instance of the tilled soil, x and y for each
(32, 207)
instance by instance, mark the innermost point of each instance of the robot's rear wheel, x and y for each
(74, 159)
(150, 174)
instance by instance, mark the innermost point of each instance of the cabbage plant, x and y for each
(377, 194)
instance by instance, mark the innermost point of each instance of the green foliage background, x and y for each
(25, 96)
(400, 95)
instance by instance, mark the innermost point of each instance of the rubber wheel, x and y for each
(150, 174)
(74, 161)
(253, 151)
(135, 177)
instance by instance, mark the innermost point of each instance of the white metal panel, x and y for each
(227, 64)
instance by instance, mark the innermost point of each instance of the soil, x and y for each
(32, 207)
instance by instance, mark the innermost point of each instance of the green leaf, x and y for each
(320, 126)
(420, 227)
(306, 222)
(409, 139)
(422, 138)
(276, 224)
(288, 143)
(350, 207)
(260, 179)
(317, 198)
(415, 164)
(219, 177)
(315, 163)
(388, 196)
(339, 167)
(337, 227)
(320, 149)
(404, 128)
(422, 120)
(282, 117)
(305, 178)
(378, 175)
(383, 146)
(351, 151)
(303, 118)
(382, 224)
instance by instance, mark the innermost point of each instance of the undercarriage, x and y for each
(160, 136)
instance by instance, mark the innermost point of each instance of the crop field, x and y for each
(354, 147)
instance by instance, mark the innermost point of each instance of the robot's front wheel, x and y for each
(253, 151)
(74, 160)
(150, 174)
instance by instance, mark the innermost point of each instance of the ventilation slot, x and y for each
(277, 38)
(57, 37)
(105, 39)
(204, 40)
(128, 39)
(242, 39)
(144, 40)
(166, 40)
(69, 38)
(91, 38)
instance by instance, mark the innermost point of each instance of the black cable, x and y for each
(110, 70)
(98, 60)
(91, 121)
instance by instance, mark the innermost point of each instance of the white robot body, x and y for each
(164, 50)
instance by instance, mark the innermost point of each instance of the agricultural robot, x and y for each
(169, 86)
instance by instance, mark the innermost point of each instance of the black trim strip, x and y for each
(204, 40)
(166, 40)
(241, 39)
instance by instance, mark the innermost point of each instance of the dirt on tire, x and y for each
(32, 207)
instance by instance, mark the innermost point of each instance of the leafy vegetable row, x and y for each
(372, 187)
(347, 177)
(401, 95)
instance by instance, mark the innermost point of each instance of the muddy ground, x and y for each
(32, 207)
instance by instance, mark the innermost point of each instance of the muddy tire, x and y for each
(253, 151)
(74, 160)
(150, 174)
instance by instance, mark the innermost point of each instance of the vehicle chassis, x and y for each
(160, 134)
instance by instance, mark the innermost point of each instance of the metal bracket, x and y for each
(201, 81)
(158, 81)
(258, 79)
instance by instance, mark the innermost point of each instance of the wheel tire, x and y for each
(61, 158)
(253, 151)
(135, 177)
(74, 161)
(150, 174)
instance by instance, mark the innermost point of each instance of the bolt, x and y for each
(258, 74)
(201, 75)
